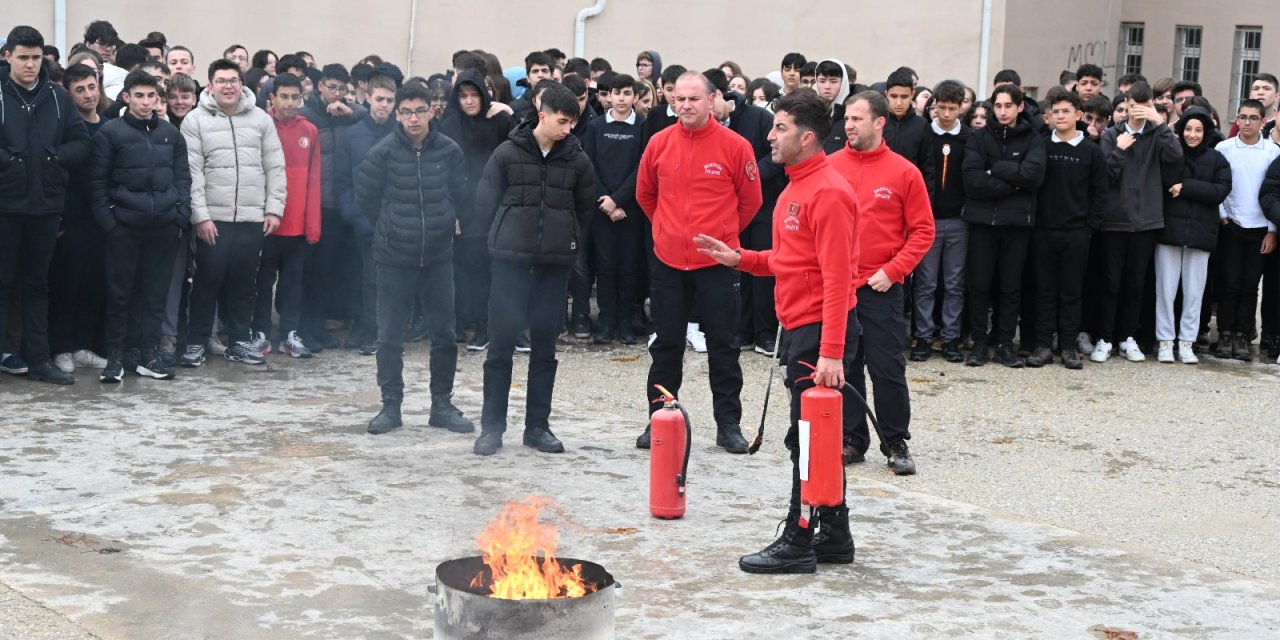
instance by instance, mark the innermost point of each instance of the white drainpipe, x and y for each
(984, 52)
(580, 27)
(413, 24)
(60, 26)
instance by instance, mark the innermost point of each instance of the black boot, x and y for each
(1225, 340)
(446, 416)
(833, 542)
(1240, 348)
(790, 553)
(387, 420)
(543, 440)
(730, 437)
(488, 443)
(643, 441)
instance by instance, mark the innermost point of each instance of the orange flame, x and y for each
(520, 552)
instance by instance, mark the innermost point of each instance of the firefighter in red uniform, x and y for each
(814, 255)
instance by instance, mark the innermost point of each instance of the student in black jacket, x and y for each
(408, 185)
(140, 187)
(1069, 210)
(1202, 181)
(536, 198)
(1003, 170)
(905, 132)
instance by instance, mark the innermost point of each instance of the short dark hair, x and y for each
(140, 78)
(1011, 90)
(1067, 76)
(131, 55)
(559, 99)
(289, 62)
(672, 73)
(99, 31)
(794, 59)
(260, 56)
(1099, 106)
(623, 81)
(1250, 103)
(555, 53)
(412, 91)
(537, 58)
(158, 36)
(770, 89)
(1008, 76)
(335, 71)
(576, 84)
(809, 70)
(181, 48)
(24, 36)
(181, 82)
(76, 73)
(830, 69)
(600, 64)
(361, 72)
(899, 78)
(949, 91)
(604, 82)
(50, 50)
(223, 64)
(875, 100)
(470, 61)
(577, 66)
(155, 64)
(304, 54)
(152, 43)
(809, 111)
(1269, 78)
(1129, 79)
(718, 80)
(285, 80)
(233, 48)
(1089, 70)
(1058, 94)
(1140, 92)
(1185, 85)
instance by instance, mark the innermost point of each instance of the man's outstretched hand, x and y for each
(719, 251)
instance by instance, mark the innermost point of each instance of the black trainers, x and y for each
(193, 356)
(1071, 359)
(369, 349)
(155, 365)
(522, 344)
(244, 352)
(921, 349)
(1240, 348)
(581, 327)
(900, 459)
(418, 330)
(387, 420)
(114, 371)
(543, 440)
(792, 552)
(1040, 357)
(833, 542)
(643, 441)
(1007, 355)
(446, 416)
(13, 364)
(852, 453)
(1223, 350)
(604, 334)
(951, 351)
(47, 371)
(478, 342)
(488, 443)
(627, 336)
(978, 356)
(730, 437)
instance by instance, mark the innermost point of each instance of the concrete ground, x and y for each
(245, 503)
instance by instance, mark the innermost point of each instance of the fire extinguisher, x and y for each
(821, 449)
(670, 435)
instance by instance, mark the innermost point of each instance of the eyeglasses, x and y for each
(226, 82)
(421, 112)
(644, 63)
(1180, 99)
(342, 91)
(1244, 118)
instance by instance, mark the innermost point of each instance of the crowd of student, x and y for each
(143, 203)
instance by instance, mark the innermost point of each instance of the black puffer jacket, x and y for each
(138, 175)
(536, 208)
(1003, 169)
(1191, 219)
(41, 138)
(1269, 194)
(330, 129)
(409, 196)
(478, 136)
(911, 137)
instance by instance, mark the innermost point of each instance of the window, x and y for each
(1132, 35)
(1245, 63)
(1186, 54)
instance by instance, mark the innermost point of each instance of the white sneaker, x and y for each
(1131, 351)
(1084, 343)
(1185, 352)
(63, 361)
(1101, 351)
(216, 347)
(652, 337)
(696, 338)
(88, 359)
(260, 343)
(1165, 352)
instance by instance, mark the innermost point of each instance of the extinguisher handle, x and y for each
(811, 376)
(688, 446)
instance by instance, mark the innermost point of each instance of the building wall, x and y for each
(1040, 45)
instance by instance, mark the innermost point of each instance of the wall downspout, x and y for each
(60, 26)
(580, 27)
(413, 25)
(984, 51)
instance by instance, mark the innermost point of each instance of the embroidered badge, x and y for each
(751, 171)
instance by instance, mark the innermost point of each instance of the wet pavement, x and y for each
(249, 503)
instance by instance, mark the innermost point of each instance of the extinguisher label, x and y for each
(804, 450)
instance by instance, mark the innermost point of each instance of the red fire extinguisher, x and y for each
(670, 434)
(821, 437)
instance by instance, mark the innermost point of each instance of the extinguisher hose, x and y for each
(867, 408)
(688, 446)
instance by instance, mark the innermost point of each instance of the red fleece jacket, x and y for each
(815, 245)
(896, 227)
(694, 181)
(301, 142)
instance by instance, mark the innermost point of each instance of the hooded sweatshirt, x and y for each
(237, 164)
(657, 68)
(38, 144)
(478, 136)
(1137, 188)
(303, 168)
(1191, 219)
(836, 140)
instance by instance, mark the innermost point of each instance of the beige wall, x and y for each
(1040, 45)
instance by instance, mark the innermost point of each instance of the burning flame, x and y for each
(520, 552)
